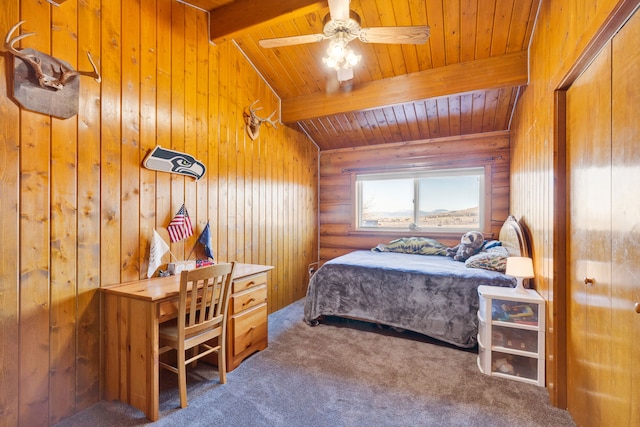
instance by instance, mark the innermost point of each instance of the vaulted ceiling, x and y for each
(465, 80)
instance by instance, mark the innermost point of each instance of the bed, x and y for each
(432, 295)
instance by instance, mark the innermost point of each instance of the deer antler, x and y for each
(253, 122)
(257, 121)
(67, 74)
(45, 80)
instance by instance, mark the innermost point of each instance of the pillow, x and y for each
(488, 244)
(494, 259)
(413, 245)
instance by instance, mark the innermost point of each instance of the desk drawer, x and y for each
(249, 298)
(167, 310)
(249, 282)
(249, 328)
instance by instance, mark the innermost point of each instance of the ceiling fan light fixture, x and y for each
(351, 59)
(340, 55)
(337, 49)
(341, 26)
(344, 74)
(330, 62)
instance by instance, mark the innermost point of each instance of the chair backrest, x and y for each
(211, 287)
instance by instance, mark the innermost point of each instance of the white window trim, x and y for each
(485, 200)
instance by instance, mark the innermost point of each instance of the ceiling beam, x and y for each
(490, 73)
(228, 21)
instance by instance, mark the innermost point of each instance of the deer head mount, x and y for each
(36, 71)
(253, 122)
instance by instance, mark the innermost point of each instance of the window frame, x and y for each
(485, 200)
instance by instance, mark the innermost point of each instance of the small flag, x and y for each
(180, 226)
(157, 250)
(207, 240)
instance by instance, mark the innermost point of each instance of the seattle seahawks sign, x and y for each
(164, 160)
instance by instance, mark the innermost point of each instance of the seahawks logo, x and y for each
(163, 160)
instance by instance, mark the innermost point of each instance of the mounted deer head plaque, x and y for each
(253, 122)
(43, 83)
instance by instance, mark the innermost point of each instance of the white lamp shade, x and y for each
(518, 266)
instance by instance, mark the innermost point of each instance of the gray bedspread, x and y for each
(431, 295)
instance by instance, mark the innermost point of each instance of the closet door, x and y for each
(589, 244)
(626, 220)
(603, 177)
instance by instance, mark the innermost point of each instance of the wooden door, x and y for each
(603, 178)
(625, 221)
(589, 242)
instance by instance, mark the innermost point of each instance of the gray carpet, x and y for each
(343, 373)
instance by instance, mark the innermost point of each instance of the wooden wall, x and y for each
(78, 209)
(336, 236)
(567, 35)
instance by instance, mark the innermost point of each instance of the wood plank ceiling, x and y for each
(465, 80)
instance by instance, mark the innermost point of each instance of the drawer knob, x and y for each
(249, 301)
(637, 307)
(589, 281)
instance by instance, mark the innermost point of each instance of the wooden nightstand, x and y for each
(511, 334)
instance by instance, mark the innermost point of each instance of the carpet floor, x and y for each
(342, 373)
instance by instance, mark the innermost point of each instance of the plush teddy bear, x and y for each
(470, 243)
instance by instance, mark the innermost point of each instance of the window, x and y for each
(434, 200)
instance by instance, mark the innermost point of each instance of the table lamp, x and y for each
(521, 268)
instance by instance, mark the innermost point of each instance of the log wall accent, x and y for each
(336, 236)
(78, 209)
(537, 166)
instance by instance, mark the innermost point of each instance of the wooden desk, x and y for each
(132, 313)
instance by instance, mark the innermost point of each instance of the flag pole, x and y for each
(196, 243)
(168, 247)
(174, 257)
(193, 248)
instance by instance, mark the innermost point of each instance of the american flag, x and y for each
(180, 226)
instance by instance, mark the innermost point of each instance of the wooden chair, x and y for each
(200, 319)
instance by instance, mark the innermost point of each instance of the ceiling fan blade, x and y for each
(293, 40)
(395, 35)
(339, 10)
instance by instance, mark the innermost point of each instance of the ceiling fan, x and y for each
(341, 26)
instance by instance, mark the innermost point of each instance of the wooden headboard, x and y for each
(513, 238)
